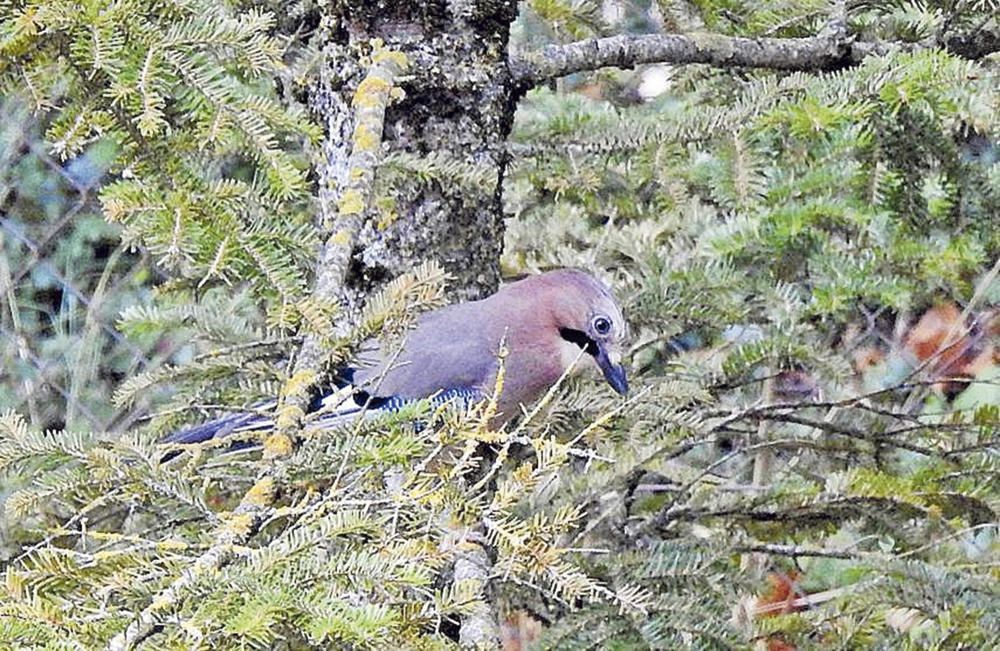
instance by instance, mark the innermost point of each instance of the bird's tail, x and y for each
(343, 412)
(338, 410)
(220, 428)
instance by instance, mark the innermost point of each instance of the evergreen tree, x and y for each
(799, 201)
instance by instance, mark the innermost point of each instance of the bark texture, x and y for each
(458, 104)
(626, 51)
(832, 49)
(459, 99)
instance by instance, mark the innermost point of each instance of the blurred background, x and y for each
(65, 278)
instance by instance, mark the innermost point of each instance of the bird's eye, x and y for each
(602, 325)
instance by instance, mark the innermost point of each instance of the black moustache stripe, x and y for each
(579, 338)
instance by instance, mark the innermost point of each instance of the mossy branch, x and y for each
(370, 100)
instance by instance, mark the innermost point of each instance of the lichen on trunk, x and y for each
(448, 130)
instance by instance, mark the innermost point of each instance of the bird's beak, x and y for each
(612, 368)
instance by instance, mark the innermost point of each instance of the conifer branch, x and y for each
(243, 523)
(370, 100)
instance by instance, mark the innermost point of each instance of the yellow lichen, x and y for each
(170, 545)
(263, 491)
(299, 383)
(351, 203)
(278, 445)
(392, 56)
(341, 238)
(160, 602)
(365, 139)
(288, 417)
(370, 92)
(467, 545)
(240, 524)
(387, 213)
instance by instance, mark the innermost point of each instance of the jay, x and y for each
(544, 320)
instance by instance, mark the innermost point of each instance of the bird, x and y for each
(547, 323)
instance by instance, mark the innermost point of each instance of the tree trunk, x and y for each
(457, 109)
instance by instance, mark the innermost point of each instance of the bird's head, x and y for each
(586, 316)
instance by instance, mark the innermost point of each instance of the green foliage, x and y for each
(351, 565)
(771, 228)
(206, 152)
(64, 278)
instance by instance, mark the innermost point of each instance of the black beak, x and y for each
(613, 373)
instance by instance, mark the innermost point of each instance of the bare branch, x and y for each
(627, 51)
(479, 629)
(832, 49)
(793, 551)
(850, 432)
(815, 513)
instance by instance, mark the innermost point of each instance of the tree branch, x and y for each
(479, 629)
(850, 432)
(627, 51)
(793, 551)
(831, 50)
(256, 507)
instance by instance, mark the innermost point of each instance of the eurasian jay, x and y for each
(452, 353)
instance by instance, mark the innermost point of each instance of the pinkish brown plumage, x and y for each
(545, 321)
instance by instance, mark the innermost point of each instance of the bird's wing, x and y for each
(221, 427)
(449, 350)
(448, 356)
